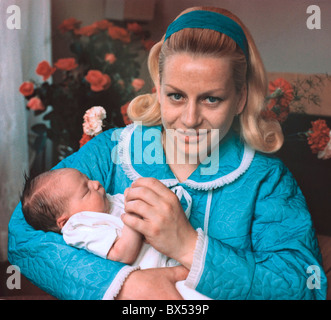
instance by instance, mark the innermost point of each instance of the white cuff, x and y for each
(198, 262)
(116, 285)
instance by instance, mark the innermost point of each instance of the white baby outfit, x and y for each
(96, 232)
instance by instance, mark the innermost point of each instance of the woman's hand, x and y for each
(153, 284)
(163, 221)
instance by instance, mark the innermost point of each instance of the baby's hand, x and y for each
(127, 247)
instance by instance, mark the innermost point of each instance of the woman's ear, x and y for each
(61, 221)
(242, 100)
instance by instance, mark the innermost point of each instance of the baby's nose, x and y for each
(96, 184)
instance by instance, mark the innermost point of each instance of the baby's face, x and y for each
(84, 194)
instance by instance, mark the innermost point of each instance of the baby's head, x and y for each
(51, 198)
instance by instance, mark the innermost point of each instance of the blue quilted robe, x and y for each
(255, 241)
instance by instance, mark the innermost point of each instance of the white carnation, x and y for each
(93, 117)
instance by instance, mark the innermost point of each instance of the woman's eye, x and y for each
(175, 96)
(212, 100)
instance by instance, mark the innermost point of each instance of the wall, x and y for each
(278, 27)
(86, 11)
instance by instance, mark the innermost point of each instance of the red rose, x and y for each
(118, 33)
(69, 24)
(45, 70)
(87, 30)
(85, 138)
(135, 27)
(98, 80)
(137, 84)
(148, 44)
(110, 58)
(35, 104)
(66, 64)
(27, 88)
(124, 110)
(103, 24)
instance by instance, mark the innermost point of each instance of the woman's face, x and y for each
(198, 93)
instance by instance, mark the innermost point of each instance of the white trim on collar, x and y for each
(125, 157)
(132, 174)
(246, 161)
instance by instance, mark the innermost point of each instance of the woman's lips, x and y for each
(191, 136)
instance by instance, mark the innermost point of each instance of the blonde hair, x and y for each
(261, 134)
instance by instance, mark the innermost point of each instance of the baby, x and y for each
(66, 201)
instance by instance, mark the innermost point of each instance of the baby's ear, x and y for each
(61, 221)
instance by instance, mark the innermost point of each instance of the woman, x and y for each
(249, 235)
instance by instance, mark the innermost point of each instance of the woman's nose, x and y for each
(191, 116)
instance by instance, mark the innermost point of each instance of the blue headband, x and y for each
(210, 20)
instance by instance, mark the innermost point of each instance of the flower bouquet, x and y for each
(103, 71)
(285, 96)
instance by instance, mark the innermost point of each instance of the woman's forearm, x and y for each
(185, 253)
(154, 283)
